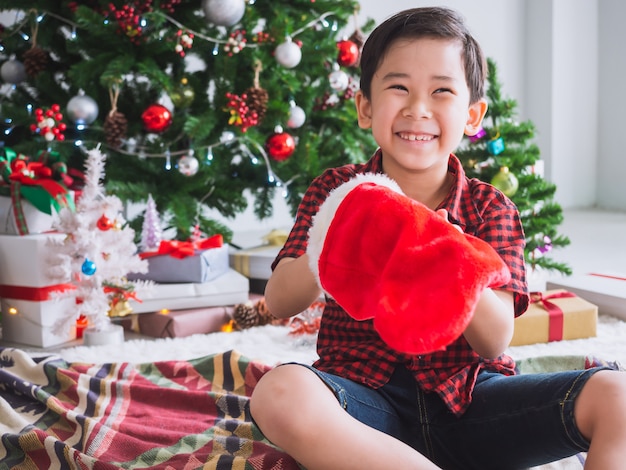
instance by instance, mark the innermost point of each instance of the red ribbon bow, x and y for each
(179, 249)
(555, 314)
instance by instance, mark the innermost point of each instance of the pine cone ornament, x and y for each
(256, 99)
(245, 316)
(115, 128)
(35, 61)
(265, 316)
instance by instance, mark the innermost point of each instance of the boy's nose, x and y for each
(417, 108)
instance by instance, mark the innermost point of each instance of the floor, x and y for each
(598, 241)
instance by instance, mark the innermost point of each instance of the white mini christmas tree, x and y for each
(97, 254)
(151, 231)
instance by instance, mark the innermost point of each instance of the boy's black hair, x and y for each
(430, 22)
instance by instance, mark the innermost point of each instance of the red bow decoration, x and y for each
(555, 314)
(179, 249)
(120, 293)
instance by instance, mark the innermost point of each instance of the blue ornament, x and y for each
(88, 268)
(496, 146)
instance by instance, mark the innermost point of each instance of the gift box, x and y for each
(555, 315)
(31, 191)
(606, 290)
(228, 289)
(255, 263)
(185, 262)
(203, 266)
(29, 305)
(33, 322)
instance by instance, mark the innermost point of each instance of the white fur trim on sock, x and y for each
(322, 220)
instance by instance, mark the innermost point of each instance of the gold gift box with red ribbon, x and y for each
(555, 315)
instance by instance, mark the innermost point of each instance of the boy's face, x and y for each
(419, 105)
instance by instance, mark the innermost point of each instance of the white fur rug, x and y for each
(273, 344)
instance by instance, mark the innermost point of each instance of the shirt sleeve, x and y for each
(501, 227)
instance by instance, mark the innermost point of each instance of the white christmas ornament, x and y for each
(297, 117)
(188, 165)
(224, 12)
(82, 109)
(339, 80)
(288, 54)
(13, 71)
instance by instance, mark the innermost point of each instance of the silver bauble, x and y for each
(288, 54)
(339, 80)
(224, 12)
(82, 109)
(13, 71)
(188, 165)
(297, 116)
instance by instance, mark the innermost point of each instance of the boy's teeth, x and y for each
(415, 137)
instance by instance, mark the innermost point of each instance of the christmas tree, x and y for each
(196, 103)
(97, 254)
(503, 154)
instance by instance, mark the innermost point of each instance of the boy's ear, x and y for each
(363, 109)
(475, 117)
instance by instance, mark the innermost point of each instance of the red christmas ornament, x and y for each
(104, 223)
(280, 145)
(348, 54)
(156, 118)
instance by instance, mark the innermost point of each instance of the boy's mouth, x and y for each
(414, 137)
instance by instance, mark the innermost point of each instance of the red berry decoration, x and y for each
(156, 118)
(280, 145)
(348, 54)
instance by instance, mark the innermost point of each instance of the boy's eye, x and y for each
(443, 90)
(398, 87)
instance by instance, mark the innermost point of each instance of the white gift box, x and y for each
(36, 221)
(228, 289)
(23, 260)
(606, 290)
(33, 322)
(255, 263)
(29, 310)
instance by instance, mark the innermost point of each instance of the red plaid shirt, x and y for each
(354, 350)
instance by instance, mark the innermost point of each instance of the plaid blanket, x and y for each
(170, 415)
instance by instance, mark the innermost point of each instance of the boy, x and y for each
(365, 405)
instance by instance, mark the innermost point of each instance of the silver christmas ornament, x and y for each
(224, 12)
(339, 80)
(288, 54)
(82, 109)
(297, 116)
(188, 165)
(13, 71)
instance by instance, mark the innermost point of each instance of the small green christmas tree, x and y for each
(503, 154)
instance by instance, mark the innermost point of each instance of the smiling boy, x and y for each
(364, 404)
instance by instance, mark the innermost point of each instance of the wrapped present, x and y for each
(29, 305)
(31, 191)
(606, 290)
(256, 262)
(555, 315)
(186, 262)
(228, 289)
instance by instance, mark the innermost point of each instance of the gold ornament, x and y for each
(505, 181)
(120, 308)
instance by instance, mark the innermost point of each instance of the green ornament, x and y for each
(183, 95)
(505, 181)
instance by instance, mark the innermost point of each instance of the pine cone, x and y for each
(245, 316)
(115, 128)
(265, 316)
(35, 61)
(256, 99)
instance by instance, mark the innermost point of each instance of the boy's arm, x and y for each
(491, 328)
(291, 288)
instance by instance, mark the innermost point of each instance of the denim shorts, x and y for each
(513, 422)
